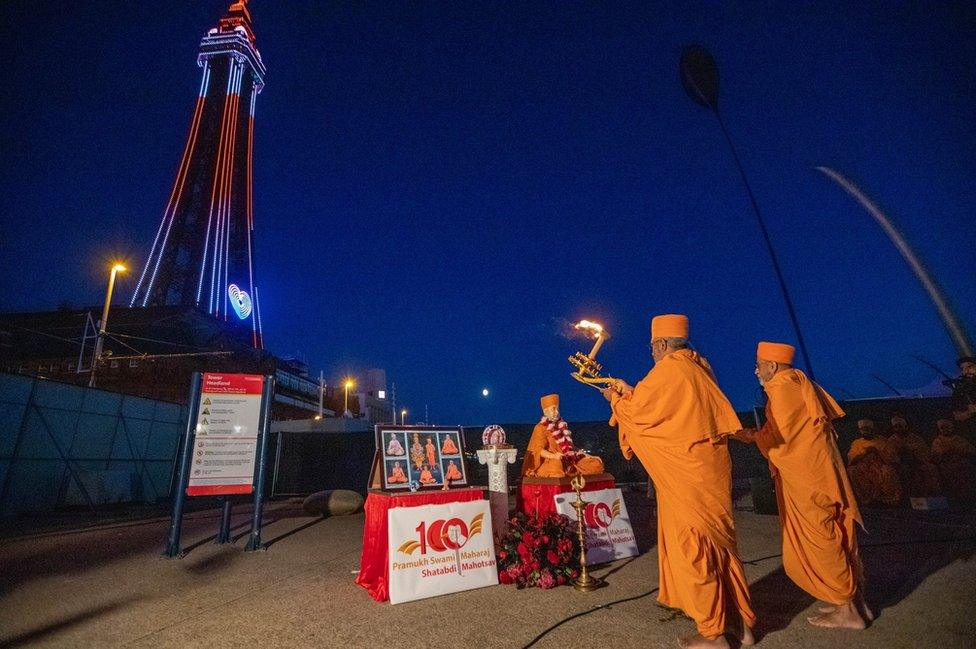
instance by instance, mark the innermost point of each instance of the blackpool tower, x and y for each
(203, 253)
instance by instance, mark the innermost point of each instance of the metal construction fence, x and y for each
(65, 445)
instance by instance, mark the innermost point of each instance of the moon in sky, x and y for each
(484, 392)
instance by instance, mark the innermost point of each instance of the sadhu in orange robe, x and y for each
(872, 467)
(542, 467)
(956, 458)
(676, 421)
(426, 477)
(817, 507)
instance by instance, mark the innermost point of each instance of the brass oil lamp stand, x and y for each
(584, 582)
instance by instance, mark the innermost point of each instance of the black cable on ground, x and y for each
(751, 562)
(587, 612)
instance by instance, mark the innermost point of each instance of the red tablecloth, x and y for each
(374, 563)
(533, 498)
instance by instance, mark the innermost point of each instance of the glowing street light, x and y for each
(348, 385)
(103, 323)
(403, 414)
(484, 392)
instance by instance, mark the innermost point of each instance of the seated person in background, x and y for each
(964, 398)
(872, 468)
(551, 451)
(919, 477)
(955, 457)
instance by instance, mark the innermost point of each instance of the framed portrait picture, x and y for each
(419, 457)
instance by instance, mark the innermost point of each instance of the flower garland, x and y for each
(540, 551)
(563, 436)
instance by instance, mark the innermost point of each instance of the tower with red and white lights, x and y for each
(203, 251)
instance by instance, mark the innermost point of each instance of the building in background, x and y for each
(373, 399)
(150, 352)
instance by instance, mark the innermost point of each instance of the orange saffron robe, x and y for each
(397, 476)
(872, 467)
(817, 507)
(431, 453)
(956, 458)
(542, 467)
(676, 421)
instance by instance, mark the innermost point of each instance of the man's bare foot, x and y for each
(863, 608)
(826, 607)
(746, 638)
(698, 641)
(845, 616)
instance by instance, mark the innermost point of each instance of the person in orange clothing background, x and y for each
(551, 450)
(872, 464)
(956, 458)
(817, 508)
(677, 420)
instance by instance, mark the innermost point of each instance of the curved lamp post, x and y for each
(699, 76)
(949, 318)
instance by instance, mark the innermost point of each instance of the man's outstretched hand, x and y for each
(619, 388)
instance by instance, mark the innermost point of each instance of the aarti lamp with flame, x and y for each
(587, 369)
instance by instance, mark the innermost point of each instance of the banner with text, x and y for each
(609, 535)
(440, 549)
(226, 435)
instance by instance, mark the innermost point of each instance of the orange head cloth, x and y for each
(670, 325)
(776, 352)
(549, 400)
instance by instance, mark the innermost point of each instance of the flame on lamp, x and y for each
(594, 330)
(591, 328)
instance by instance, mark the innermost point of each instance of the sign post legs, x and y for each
(179, 497)
(254, 542)
(223, 536)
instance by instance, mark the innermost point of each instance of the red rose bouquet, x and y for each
(539, 551)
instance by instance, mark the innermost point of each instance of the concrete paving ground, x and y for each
(109, 586)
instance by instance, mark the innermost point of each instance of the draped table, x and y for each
(536, 496)
(374, 563)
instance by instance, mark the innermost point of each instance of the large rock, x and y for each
(333, 502)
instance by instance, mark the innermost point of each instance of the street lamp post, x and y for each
(321, 393)
(403, 415)
(103, 323)
(699, 76)
(348, 385)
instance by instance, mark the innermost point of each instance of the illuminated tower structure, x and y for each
(203, 253)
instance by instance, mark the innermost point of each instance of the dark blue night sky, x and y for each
(439, 186)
